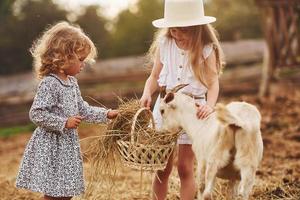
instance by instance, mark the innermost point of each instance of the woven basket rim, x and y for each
(147, 145)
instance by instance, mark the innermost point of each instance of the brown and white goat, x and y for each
(227, 144)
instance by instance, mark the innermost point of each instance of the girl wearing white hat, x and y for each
(185, 51)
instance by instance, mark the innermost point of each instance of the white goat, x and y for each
(227, 144)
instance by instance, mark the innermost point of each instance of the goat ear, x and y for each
(178, 87)
(162, 92)
(169, 97)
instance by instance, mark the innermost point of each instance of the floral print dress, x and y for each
(52, 162)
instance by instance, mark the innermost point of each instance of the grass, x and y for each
(10, 131)
(15, 130)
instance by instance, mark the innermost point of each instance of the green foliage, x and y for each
(5, 6)
(9, 131)
(236, 19)
(133, 32)
(18, 32)
(94, 25)
(130, 33)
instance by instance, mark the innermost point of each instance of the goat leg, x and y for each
(247, 182)
(200, 177)
(210, 175)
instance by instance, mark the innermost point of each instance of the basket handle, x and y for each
(135, 120)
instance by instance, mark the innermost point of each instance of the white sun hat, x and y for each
(183, 13)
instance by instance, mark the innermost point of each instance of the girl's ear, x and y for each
(169, 97)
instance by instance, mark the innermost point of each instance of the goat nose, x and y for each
(162, 111)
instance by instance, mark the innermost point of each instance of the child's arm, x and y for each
(91, 114)
(151, 84)
(40, 111)
(212, 78)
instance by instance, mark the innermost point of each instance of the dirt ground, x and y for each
(277, 178)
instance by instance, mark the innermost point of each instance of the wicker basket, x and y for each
(143, 156)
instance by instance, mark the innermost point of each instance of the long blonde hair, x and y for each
(199, 37)
(59, 46)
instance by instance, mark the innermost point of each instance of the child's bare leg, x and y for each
(56, 198)
(186, 172)
(160, 183)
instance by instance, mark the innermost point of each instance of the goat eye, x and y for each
(162, 111)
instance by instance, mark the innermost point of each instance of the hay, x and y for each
(146, 149)
(287, 189)
(121, 126)
(103, 152)
(8, 191)
(280, 126)
(122, 123)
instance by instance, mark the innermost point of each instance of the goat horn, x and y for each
(162, 91)
(178, 87)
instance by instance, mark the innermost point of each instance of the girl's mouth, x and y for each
(180, 41)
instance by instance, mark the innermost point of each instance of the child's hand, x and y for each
(146, 101)
(112, 114)
(73, 122)
(203, 110)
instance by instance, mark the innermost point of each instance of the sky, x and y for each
(111, 7)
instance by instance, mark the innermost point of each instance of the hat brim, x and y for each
(163, 23)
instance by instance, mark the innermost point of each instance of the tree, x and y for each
(5, 8)
(94, 25)
(133, 31)
(18, 33)
(235, 18)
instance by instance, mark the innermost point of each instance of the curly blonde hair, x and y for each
(59, 46)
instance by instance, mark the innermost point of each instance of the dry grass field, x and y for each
(278, 176)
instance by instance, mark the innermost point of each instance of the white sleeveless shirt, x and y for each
(177, 70)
